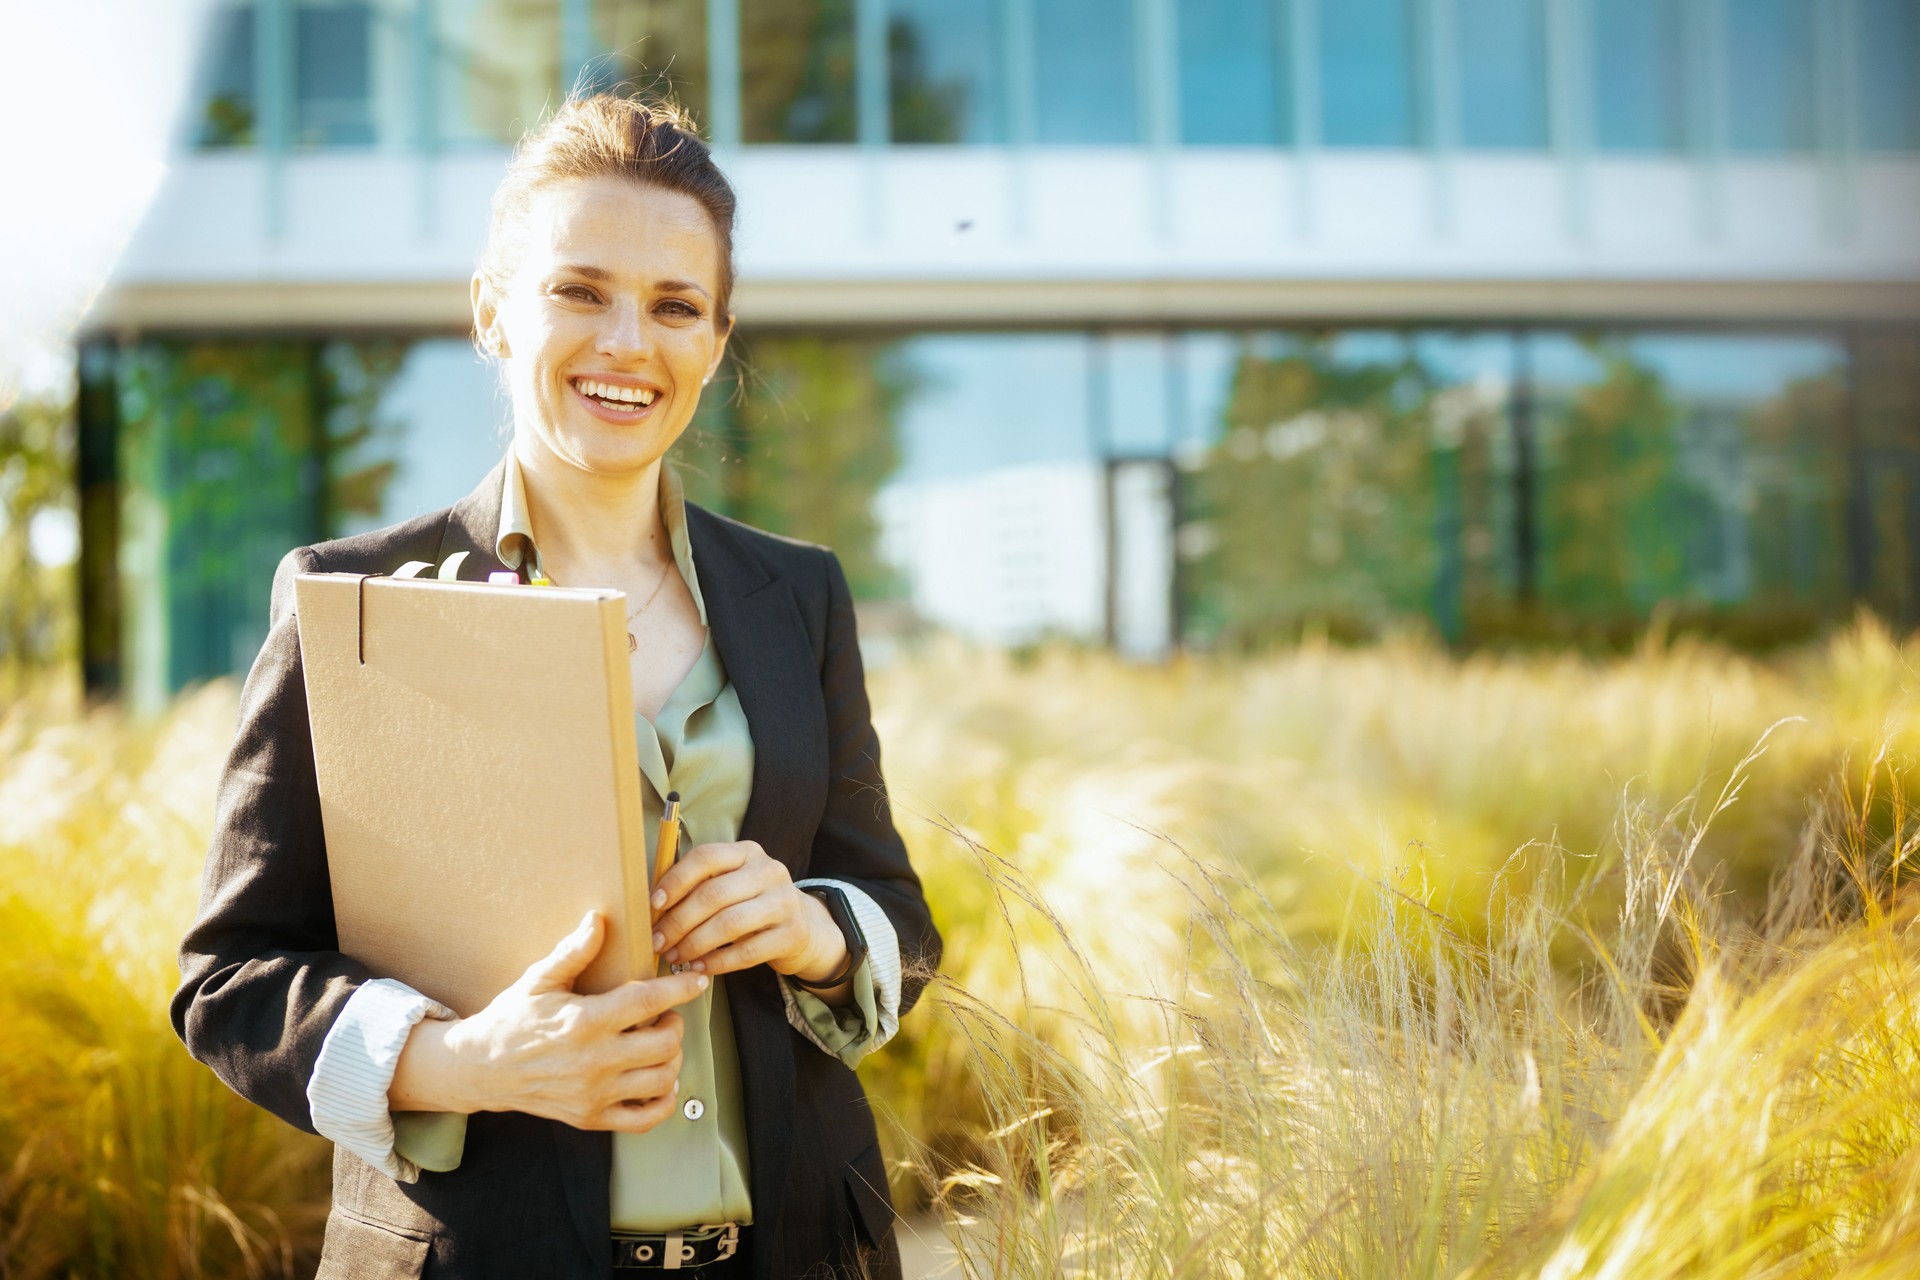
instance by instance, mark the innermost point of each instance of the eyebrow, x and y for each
(603, 275)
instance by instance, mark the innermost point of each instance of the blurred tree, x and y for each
(37, 622)
(803, 449)
(1620, 521)
(922, 109)
(222, 474)
(1320, 504)
(360, 446)
(797, 71)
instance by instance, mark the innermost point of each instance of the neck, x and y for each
(589, 526)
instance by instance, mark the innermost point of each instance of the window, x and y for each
(1084, 72)
(796, 70)
(333, 50)
(653, 48)
(1638, 86)
(1231, 90)
(496, 66)
(1502, 55)
(1770, 52)
(1888, 59)
(230, 117)
(1366, 74)
(944, 81)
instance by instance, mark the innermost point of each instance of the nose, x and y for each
(624, 337)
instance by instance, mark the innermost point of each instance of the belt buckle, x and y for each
(670, 1251)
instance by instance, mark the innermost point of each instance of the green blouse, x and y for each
(689, 1170)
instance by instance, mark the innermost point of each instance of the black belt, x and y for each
(675, 1250)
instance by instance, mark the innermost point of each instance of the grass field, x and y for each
(1340, 963)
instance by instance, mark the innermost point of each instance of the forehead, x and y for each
(621, 226)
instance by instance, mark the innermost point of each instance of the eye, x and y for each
(680, 307)
(578, 292)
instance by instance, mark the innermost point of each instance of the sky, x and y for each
(89, 90)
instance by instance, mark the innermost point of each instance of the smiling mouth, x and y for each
(616, 399)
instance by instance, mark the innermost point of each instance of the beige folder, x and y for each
(479, 786)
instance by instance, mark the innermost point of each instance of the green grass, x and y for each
(1344, 963)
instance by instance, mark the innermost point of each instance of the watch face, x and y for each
(842, 912)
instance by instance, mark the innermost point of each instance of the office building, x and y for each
(1152, 322)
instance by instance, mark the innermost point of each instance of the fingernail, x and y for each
(700, 983)
(699, 966)
(659, 941)
(659, 897)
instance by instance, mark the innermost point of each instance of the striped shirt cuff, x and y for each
(882, 966)
(348, 1091)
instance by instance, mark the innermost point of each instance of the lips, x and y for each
(615, 401)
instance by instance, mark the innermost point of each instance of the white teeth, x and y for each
(607, 391)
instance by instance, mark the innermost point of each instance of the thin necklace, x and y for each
(633, 641)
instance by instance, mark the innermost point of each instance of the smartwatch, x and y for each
(835, 901)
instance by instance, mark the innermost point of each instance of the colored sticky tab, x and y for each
(504, 578)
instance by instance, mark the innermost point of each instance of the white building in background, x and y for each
(1008, 556)
(1081, 215)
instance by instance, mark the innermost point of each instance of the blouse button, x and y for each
(694, 1109)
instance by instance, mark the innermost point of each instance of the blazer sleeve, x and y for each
(262, 979)
(857, 841)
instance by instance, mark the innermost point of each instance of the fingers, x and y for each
(643, 1084)
(558, 970)
(758, 948)
(638, 1003)
(702, 863)
(743, 919)
(630, 1117)
(757, 876)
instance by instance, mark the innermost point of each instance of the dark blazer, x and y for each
(262, 980)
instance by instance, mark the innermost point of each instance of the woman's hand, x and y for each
(725, 907)
(609, 1061)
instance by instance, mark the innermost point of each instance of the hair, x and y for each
(652, 141)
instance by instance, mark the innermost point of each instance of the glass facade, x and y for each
(796, 70)
(1234, 90)
(1502, 58)
(1640, 76)
(945, 80)
(1888, 52)
(1367, 64)
(1146, 489)
(1771, 50)
(1084, 82)
(346, 73)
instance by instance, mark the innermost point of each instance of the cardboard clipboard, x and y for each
(479, 785)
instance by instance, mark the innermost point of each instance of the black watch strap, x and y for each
(835, 901)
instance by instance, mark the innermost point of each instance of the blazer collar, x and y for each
(473, 523)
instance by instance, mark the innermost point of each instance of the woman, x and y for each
(708, 1119)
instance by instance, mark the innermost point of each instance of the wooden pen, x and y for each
(666, 846)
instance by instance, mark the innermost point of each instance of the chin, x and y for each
(605, 450)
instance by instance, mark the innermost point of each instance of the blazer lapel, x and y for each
(762, 641)
(473, 526)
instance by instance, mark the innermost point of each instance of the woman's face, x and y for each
(609, 325)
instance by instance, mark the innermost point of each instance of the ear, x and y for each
(486, 317)
(719, 350)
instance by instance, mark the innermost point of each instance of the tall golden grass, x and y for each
(1330, 963)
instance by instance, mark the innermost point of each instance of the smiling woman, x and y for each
(706, 1119)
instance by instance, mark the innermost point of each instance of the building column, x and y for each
(274, 94)
(97, 485)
